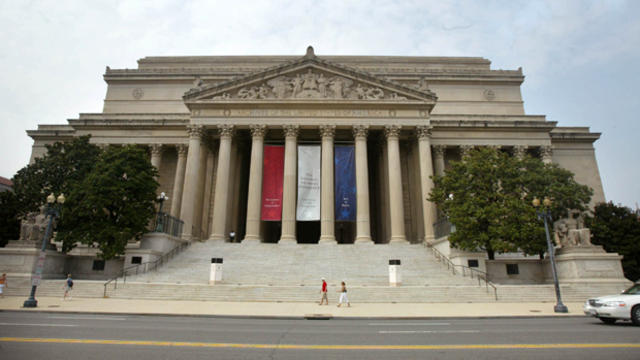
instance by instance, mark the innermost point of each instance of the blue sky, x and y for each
(580, 58)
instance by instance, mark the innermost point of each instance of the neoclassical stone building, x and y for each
(251, 144)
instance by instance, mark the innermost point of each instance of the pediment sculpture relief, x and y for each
(310, 85)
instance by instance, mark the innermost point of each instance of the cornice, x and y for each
(574, 134)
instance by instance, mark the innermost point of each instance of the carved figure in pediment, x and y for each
(309, 82)
(246, 93)
(322, 85)
(359, 92)
(224, 96)
(296, 83)
(337, 86)
(280, 87)
(395, 96)
(374, 94)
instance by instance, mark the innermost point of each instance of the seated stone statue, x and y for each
(570, 232)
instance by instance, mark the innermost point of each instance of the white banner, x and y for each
(308, 208)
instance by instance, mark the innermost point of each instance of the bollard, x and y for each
(395, 279)
(215, 276)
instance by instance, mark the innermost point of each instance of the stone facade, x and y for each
(206, 120)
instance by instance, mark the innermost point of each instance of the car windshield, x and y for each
(634, 290)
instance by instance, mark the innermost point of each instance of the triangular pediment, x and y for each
(307, 79)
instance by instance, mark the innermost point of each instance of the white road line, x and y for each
(427, 331)
(23, 324)
(409, 324)
(86, 318)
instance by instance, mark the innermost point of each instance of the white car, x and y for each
(609, 309)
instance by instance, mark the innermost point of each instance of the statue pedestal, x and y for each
(588, 263)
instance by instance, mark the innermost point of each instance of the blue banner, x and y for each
(345, 183)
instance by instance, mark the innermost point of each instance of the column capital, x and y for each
(519, 151)
(423, 131)
(327, 131)
(360, 131)
(182, 149)
(291, 130)
(465, 150)
(195, 131)
(226, 130)
(392, 131)
(258, 130)
(438, 150)
(156, 149)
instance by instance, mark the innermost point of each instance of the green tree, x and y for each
(112, 204)
(59, 171)
(617, 229)
(9, 221)
(488, 195)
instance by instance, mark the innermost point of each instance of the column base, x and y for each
(252, 239)
(363, 240)
(327, 239)
(398, 240)
(287, 240)
(429, 240)
(217, 237)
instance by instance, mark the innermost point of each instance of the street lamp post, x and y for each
(52, 211)
(160, 218)
(545, 214)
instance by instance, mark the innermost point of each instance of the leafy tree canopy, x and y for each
(64, 166)
(617, 229)
(112, 204)
(9, 222)
(488, 195)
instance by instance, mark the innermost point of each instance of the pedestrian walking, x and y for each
(3, 284)
(324, 293)
(343, 295)
(68, 286)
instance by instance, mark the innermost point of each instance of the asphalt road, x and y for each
(83, 336)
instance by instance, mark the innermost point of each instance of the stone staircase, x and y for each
(291, 273)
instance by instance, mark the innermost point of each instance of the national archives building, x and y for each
(317, 149)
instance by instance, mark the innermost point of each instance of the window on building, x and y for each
(472, 263)
(512, 269)
(136, 259)
(98, 265)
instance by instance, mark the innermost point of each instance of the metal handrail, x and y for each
(148, 266)
(480, 275)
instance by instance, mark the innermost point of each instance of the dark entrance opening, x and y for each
(272, 231)
(345, 232)
(308, 232)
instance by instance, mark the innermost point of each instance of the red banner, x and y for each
(272, 180)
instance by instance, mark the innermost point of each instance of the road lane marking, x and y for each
(426, 331)
(86, 318)
(409, 324)
(317, 347)
(23, 324)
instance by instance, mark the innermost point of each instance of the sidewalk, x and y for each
(288, 310)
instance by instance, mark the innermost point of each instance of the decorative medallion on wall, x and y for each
(137, 93)
(489, 94)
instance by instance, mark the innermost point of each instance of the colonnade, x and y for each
(190, 177)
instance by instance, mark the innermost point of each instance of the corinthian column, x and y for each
(327, 215)
(395, 184)
(288, 234)
(156, 156)
(363, 223)
(222, 184)
(178, 181)
(546, 152)
(255, 184)
(426, 183)
(438, 152)
(196, 132)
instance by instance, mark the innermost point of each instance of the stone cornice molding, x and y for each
(423, 132)
(258, 130)
(291, 130)
(360, 131)
(226, 130)
(327, 131)
(392, 131)
(195, 131)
